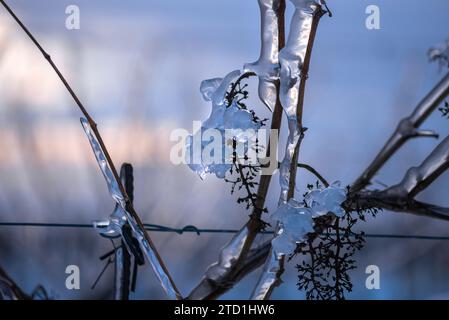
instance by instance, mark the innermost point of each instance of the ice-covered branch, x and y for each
(418, 178)
(407, 128)
(122, 259)
(126, 214)
(237, 257)
(294, 61)
(107, 167)
(267, 66)
(400, 197)
(219, 274)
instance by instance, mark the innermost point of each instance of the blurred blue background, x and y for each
(137, 66)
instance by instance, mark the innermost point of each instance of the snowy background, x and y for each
(137, 66)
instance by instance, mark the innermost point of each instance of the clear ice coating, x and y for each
(415, 178)
(295, 221)
(291, 58)
(228, 256)
(267, 66)
(112, 183)
(269, 277)
(323, 201)
(111, 226)
(206, 155)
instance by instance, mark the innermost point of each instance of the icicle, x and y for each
(291, 59)
(267, 66)
(138, 233)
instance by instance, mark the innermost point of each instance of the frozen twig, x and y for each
(221, 275)
(400, 197)
(266, 67)
(128, 215)
(122, 259)
(294, 60)
(418, 178)
(106, 164)
(407, 128)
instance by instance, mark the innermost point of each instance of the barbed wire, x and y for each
(199, 231)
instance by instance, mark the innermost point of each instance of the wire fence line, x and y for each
(199, 231)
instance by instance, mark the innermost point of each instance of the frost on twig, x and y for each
(137, 230)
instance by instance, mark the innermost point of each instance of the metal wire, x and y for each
(198, 231)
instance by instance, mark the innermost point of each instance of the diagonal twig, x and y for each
(157, 263)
